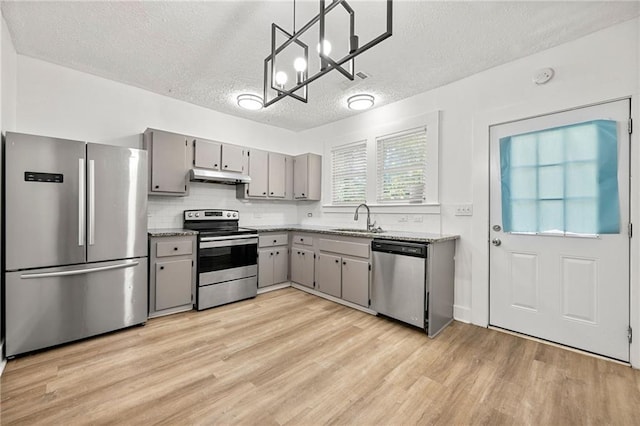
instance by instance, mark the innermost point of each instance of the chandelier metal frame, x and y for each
(326, 62)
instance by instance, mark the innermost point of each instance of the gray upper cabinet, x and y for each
(277, 175)
(206, 154)
(271, 176)
(307, 176)
(233, 158)
(258, 171)
(168, 165)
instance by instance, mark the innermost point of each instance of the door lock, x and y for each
(497, 228)
(496, 242)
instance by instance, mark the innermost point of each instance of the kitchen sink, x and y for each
(362, 231)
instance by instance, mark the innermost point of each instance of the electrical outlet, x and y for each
(464, 210)
(403, 218)
(418, 218)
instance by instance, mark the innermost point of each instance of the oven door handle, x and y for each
(229, 243)
(228, 237)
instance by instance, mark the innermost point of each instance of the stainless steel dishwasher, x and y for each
(398, 288)
(413, 282)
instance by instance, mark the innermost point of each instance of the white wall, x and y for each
(595, 68)
(58, 101)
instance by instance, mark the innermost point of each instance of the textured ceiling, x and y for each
(207, 53)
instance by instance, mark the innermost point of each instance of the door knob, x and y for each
(496, 242)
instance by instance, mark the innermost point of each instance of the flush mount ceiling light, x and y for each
(250, 102)
(360, 102)
(290, 55)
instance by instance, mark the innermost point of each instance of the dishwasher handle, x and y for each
(402, 248)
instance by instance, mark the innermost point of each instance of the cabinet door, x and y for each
(258, 162)
(302, 266)
(329, 275)
(288, 177)
(280, 265)
(168, 163)
(173, 284)
(207, 154)
(355, 281)
(265, 267)
(277, 173)
(300, 164)
(232, 158)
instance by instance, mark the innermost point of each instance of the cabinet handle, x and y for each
(264, 193)
(275, 241)
(271, 254)
(225, 166)
(161, 268)
(215, 165)
(175, 248)
(277, 253)
(303, 254)
(157, 186)
(337, 261)
(301, 239)
(303, 194)
(272, 193)
(344, 263)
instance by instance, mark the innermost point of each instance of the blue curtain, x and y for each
(561, 180)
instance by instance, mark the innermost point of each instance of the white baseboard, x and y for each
(462, 314)
(333, 299)
(274, 287)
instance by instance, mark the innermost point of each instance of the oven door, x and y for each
(227, 258)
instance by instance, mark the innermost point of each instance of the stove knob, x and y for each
(197, 214)
(189, 214)
(228, 214)
(235, 215)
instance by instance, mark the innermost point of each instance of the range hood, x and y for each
(214, 176)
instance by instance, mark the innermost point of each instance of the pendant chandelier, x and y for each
(290, 57)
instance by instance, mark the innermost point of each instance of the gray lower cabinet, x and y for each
(343, 268)
(355, 281)
(302, 266)
(172, 274)
(329, 274)
(273, 258)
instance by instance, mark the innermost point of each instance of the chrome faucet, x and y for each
(355, 216)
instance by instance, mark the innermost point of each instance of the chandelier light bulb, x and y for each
(281, 78)
(326, 47)
(300, 64)
(360, 102)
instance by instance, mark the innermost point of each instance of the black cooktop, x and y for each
(215, 222)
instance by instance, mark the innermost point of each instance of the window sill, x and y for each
(385, 208)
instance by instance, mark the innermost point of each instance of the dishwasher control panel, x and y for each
(400, 247)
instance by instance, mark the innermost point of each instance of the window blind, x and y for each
(402, 166)
(349, 173)
(561, 180)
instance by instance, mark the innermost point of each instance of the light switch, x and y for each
(464, 210)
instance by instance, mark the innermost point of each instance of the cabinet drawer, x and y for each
(173, 248)
(272, 240)
(304, 240)
(345, 247)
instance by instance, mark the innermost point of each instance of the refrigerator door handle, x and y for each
(92, 202)
(78, 271)
(81, 202)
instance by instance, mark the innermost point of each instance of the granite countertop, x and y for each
(421, 237)
(170, 232)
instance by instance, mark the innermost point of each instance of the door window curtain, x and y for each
(561, 180)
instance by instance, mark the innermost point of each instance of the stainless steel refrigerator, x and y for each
(75, 240)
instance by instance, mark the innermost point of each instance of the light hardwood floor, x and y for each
(288, 357)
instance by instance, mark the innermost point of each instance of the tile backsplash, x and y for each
(166, 212)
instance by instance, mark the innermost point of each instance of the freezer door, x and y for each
(47, 307)
(45, 204)
(116, 202)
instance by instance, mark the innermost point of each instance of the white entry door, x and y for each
(559, 235)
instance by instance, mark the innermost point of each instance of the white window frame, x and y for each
(431, 204)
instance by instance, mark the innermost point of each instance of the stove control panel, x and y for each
(210, 214)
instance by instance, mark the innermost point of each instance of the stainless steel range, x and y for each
(227, 257)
